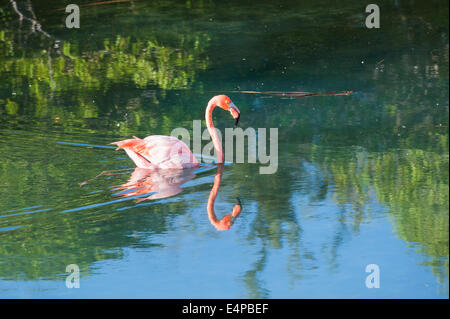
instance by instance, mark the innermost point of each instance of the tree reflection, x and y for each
(62, 65)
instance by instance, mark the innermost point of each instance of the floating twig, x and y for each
(97, 4)
(292, 94)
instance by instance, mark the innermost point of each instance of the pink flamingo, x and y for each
(168, 152)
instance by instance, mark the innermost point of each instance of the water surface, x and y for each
(362, 179)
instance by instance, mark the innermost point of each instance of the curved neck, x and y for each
(227, 221)
(212, 131)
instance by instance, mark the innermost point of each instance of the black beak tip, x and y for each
(236, 121)
(238, 201)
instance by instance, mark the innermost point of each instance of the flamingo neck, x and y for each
(212, 131)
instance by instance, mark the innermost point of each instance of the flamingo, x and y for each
(168, 152)
(167, 157)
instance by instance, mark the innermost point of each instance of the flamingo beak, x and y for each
(233, 217)
(235, 113)
(236, 210)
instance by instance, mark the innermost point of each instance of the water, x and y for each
(362, 179)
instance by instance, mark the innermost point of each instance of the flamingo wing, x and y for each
(158, 151)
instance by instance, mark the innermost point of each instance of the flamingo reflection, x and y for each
(162, 183)
(158, 183)
(227, 221)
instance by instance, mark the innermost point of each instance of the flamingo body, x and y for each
(158, 151)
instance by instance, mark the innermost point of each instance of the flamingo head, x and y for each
(225, 103)
(227, 221)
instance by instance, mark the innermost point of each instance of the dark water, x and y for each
(362, 179)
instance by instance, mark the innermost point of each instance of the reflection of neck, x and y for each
(212, 131)
(226, 222)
